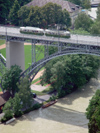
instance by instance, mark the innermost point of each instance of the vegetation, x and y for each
(48, 15)
(13, 14)
(6, 6)
(68, 74)
(21, 103)
(2, 42)
(10, 79)
(25, 93)
(93, 113)
(89, 27)
(83, 21)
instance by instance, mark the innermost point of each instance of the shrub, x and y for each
(93, 113)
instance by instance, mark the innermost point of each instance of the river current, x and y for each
(66, 116)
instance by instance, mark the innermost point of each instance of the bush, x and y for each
(36, 106)
(4, 118)
(93, 113)
(52, 98)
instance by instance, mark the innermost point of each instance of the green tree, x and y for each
(5, 6)
(34, 16)
(7, 109)
(83, 21)
(66, 20)
(93, 113)
(17, 105)
(23, 15)
(95, 28)
(25, 93)
(70, 72)
(10, 79)
(13, 14)
(87, 4)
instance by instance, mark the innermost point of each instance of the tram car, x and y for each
(46, 32)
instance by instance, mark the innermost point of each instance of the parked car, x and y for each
(34, 95)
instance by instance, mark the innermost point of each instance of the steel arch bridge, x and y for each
(34, 68)
(77, 44)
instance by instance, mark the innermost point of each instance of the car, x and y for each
(34, 95)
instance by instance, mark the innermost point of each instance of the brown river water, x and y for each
(66, 116)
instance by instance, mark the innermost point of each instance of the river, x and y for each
(66, 116)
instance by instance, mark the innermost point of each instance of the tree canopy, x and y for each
(10, 79)
(70, 72)
(93, 113)
(83, 21)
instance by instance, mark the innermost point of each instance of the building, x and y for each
(4, 98)
(73, 9)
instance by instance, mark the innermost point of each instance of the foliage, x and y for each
(52, 98)
(83, 21)
(80, 31)
(5, 6)
(23, 14)
(10, 78)
(67, 74)
(25, 93)
(87, 4)
(13, 14)
(48, 15)
(52, 50)
(7, 109)
(95, 28)
(17, 105)
(93, 113)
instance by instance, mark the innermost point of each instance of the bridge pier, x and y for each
(15, 54)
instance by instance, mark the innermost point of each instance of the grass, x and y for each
(44, 92)
(2, 42)
(0, 89)
(35, 80)
(28, 53)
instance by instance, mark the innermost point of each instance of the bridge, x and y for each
(77, 44)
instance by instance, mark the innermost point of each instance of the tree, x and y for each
(95, 28)
(23, 15)
(83, 21)
(13, 14)
(25, 93)
(66, 20)
(87, 4)
(10, 79)
(68, 74)
(34, 16)
(7, 109)
(93, 113)
(17, 105)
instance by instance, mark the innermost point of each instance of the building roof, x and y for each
(70, 7)
(4, 98)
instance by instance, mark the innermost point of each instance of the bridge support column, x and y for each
(15, 54)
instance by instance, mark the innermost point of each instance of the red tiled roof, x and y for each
(4, 98)
(64, 4)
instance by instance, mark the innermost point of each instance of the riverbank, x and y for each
(65, 116)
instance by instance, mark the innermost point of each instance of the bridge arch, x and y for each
(34, 68)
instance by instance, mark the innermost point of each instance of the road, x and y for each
(75, 38)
